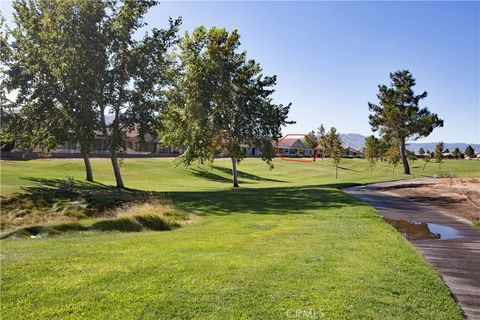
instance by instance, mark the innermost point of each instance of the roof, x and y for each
(353, 149)
(291, 143)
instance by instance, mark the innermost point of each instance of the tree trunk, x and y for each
(406, 167)
(425, 164)
(116, 171)
(234, 172)
(336, 171)
(88, 167)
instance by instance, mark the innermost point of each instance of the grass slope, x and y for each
(288, 240)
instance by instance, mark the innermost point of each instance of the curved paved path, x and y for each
(457, 259)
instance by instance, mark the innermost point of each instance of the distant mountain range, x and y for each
(357, 141)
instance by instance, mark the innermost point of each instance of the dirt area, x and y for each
(460, 196)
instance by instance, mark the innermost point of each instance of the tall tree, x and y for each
(36, 115)
(421, 151)
(399, 115)
(79, 28)
(322, 140)
(438, 154)
(469, 152)
(371, 151)
(335, 148)
(220, 101)
(74, 61)
(135, 76)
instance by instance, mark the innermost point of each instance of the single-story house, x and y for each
(294, 147)
(352, 153)
(424, 155)
(447, 155)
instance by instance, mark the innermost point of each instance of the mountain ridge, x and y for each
(357, 141)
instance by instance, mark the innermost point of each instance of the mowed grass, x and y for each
(162, 175)
(288, 242)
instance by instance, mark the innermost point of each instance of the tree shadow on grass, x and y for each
(348, 169)
(208, 175)
(281, 201)
(59, 199)
(98, 198)
(101, 198)
(244, 175)
(244, 178)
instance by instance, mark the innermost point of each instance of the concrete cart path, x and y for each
(456, 258)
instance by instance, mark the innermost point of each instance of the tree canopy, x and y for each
(221, 101)
(57, 54)
(74, 62)
(136, 76)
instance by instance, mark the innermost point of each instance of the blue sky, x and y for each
(330, 56)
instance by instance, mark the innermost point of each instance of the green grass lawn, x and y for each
(161, 174)
(287, 240)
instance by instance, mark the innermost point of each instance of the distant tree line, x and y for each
(328, 143)
(386, 149)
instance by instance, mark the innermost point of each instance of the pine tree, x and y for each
(398, 113)
(469, 152)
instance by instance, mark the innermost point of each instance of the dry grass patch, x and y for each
(60, 206)
(155, 214)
